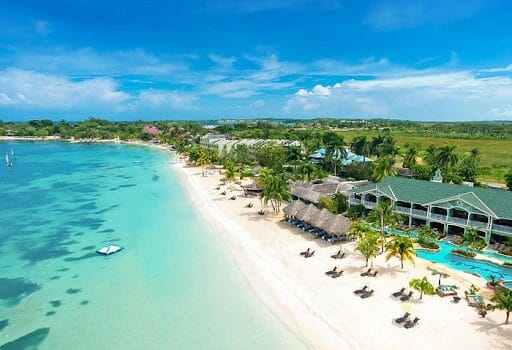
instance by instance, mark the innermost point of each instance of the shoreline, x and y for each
(325, 314)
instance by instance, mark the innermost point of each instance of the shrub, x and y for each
(464, 253)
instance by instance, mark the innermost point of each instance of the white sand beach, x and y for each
(324, 312)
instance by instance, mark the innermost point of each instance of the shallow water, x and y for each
(174, 285)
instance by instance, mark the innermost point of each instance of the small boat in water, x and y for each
(137, 162)
(110, 249)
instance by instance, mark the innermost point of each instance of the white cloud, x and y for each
(444, 96)
(257, 104)
(162, 98)
(24, 88)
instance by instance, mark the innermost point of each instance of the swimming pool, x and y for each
(508, 284)
(482, 268)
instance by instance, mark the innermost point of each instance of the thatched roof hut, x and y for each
(319, 218)
(307, 212)
(337, 225)
(293, 208)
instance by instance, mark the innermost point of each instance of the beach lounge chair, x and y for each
(456, 299)
(233, 197)
(474, 300)
(410, 324)
(360, 291)
(261, 212)
(367, 294)
(249, 205)
(305, 252)
(407, 296)
(338, 255)
(373, 273)
(309, 255)
(399, 293)
(223, 193)
(330, 272)
(444, 291)
(366, 273)
(403, 318)
(337, 274)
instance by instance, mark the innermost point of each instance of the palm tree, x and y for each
(376, 142)
(293, 155)
(423, 286)
(447, 158)
(503, 301)
(230, 172)
(402, 248)
(383, 215)
(410, 157)
(359, 229)
(388, 148)
(383, 167)
(361, 145)
(369, 246)
(471, 240)
(274, 188)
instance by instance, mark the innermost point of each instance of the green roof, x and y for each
(493, 201)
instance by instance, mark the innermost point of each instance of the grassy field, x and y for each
(496, 154)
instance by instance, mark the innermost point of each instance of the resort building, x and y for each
(224, 144)
(318, 156)
(447, 207)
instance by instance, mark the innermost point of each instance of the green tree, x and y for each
(230, 172)
(274, 188)
(468, 168)
(334, 150)
(423, 286)
(359, 229)
(401, 248)
(508, 180)
(383, 167)
(369, 246)
(427, 237)
(388, 148)
(383, 215)
(447, 159)
(410, 157)
(472, 241)
(503, 301)
(355, 211)
(271, 156)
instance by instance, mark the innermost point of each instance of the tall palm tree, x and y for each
(383, 215)
(388, 148)
(358, 229)
(503, 301)
(447, 158)
(375, 143)
(402, 248)
(369, 246)
(383, 167)
(361, 145)
(471, 240)
(423, 286)
(274, 188)
(410, 157)
(230, 173)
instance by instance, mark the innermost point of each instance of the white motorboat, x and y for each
(110, 249)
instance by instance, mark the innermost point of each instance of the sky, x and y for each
(433, 60)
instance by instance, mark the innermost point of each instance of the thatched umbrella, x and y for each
(319, 218)
(293, 208)
(337, 225)
(307, 212)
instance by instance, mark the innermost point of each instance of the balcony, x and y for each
(369, 204)
(459, 221)
(354, 201)
(402, 209)
(502, 228)
(417, 212)
(478, 224)
(438, 217)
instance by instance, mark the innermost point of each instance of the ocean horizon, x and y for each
(173, 286)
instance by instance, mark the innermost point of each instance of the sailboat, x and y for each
(13, 154)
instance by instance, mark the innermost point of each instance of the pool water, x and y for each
(482, 268)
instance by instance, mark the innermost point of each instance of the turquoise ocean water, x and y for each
(173, 287)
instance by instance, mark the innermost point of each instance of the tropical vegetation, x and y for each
(423, 286)
(401, 248)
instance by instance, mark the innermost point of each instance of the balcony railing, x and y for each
(418, 212)
(402, 209)
(502, 228)
(457, 220)
(369, 204)
(479, 224)
(353, 200)
(438, 217)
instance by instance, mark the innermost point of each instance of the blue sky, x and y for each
(409, 59)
